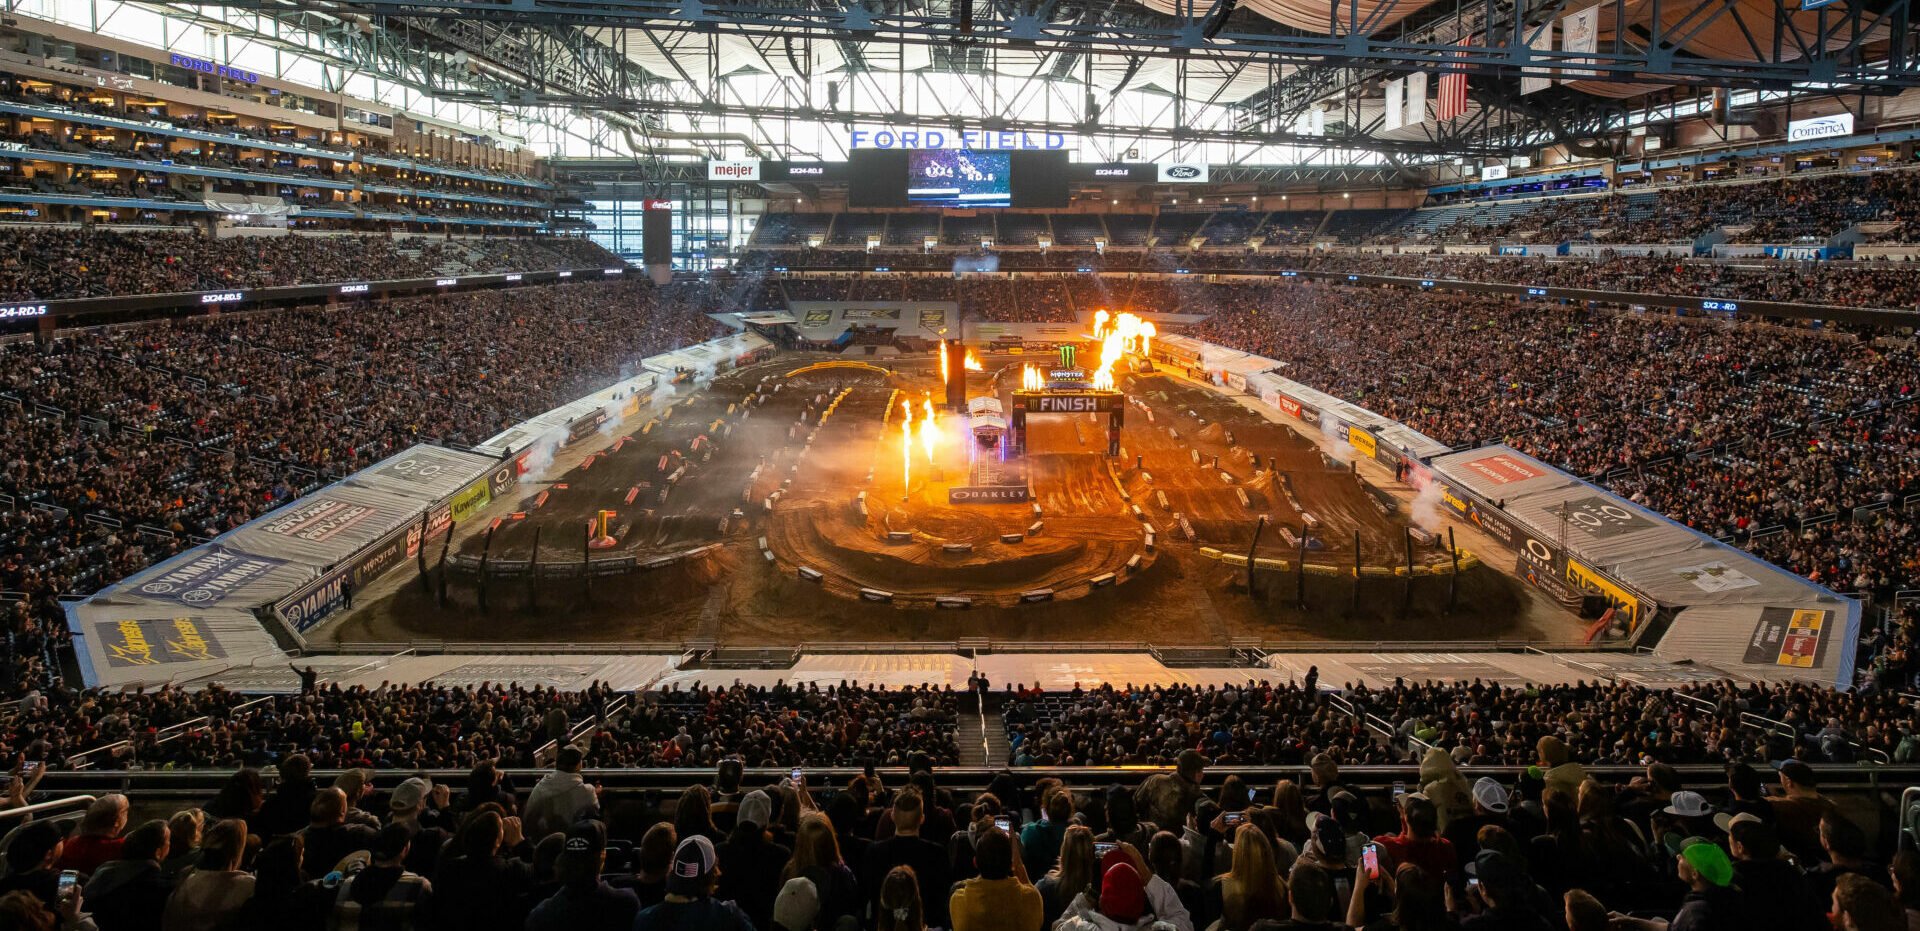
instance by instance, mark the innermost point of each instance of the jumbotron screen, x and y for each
(959, 178)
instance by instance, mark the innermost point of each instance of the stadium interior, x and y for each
(868, 465)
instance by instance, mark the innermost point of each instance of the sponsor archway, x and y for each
(1028, 403)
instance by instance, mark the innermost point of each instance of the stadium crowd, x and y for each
(47, 263)
(125, 444)
(1476, 723)
(1196, 846)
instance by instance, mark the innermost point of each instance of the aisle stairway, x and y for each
(981, 744)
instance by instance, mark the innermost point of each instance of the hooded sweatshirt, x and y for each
(127, 895)
(1443, 784)
(1163, 905)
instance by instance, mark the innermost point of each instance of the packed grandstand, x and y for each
(223, 294)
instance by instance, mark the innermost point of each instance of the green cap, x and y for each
(1707, 859)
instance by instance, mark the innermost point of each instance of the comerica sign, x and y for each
(1820, 127)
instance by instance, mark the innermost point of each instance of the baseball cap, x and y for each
(1326, 830)
(797, 905)
(1492, 866)
(756, 808)
(1707, 859)
(1799, 772)
(1490, 794)
(585, 839)
(693, 863)
(1725, 821)
(410, 794)
(1687, 805)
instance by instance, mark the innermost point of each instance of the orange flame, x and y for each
(943, 362)
(972, 362)
(906, 446)
(927, 435)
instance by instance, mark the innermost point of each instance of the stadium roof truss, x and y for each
(1130, 81)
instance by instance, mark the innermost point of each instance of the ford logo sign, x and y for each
(1182, 171)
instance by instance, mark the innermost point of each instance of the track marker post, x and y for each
(533, 573)
(1406, 605)
(586, 558)
(445, 544)
(1300, 573)
(420, 558)
(486, 549)
(1251, 550)
(1453, 578)
(1356, 571)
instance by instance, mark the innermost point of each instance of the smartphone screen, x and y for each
(1253, 795)
(1399, 788)
(1004, 823)
(69, 881)
(1370, 858)
(795, 774)
(1102, 848)
(1233, 818)
(28, 767)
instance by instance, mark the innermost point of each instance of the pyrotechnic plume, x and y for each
(1100, 318)
(1030, 379)
(927, 434)
(1147, 332)
(1128, 332)
(972, 362)
(906, 446)
(943, 362)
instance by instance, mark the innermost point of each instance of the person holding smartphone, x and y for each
(1419, 901)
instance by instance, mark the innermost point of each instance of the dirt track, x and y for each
(735, 595)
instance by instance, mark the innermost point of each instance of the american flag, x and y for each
(1452, 101)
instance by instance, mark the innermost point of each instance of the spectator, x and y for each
(1167, 798)
(926, 859)
(750, 862)
(384, 895)
(1076, 873)
(1905, 872)
(476, 887)
(1252, 890)
(1419, 902)
(585, 901)
(1799, 809)
(282, 899)
(1310, 892)
(288, 808)
(1419, 842)
(816, 857)
(98, 839)
(1772, 886)
(1859, 904)
(1585, 913)
(561, 797)
(1000, 897)
(901, 907)
(129, 893)
(689, 904)
(1040, 840)
(183, 844)
(23, 911)
(1712, 904)
(31, 854)
(241, 797)
(653, 864)
(692, 817)
(797, 907)
(211, 897)
(327, 837)
(1506, 895)
(1845, 846)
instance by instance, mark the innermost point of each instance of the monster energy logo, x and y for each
(1067, 353)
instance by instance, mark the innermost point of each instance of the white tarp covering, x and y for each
(1737, 612)
(146, 644)
(705, 359)
(162, 619)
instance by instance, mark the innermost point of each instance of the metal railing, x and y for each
(84, 759)
(585, 729)
(71, 801)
